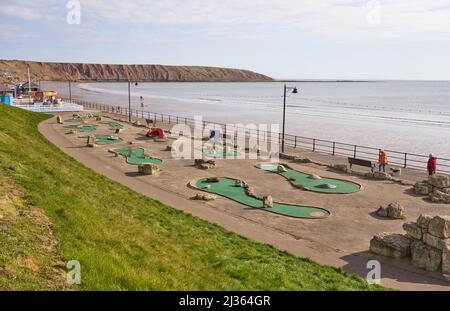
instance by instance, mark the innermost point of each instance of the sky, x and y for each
(285, 39)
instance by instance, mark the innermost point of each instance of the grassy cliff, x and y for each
(53, 209)
(17, 69)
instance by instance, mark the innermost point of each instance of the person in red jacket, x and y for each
(432, 161)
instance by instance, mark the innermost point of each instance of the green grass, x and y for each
(124, 240)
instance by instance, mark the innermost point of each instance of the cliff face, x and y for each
(16, 70)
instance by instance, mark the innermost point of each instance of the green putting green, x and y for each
(226, 187)
(136, 156)
(79, 119)
(219, 153)
(160, 140)
(113, 125)
(83, 128)
(105, 139)
(323, 185)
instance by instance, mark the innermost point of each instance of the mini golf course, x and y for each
(83, 128)
(307, 182)
(113, 126)
(226, 187)
(105, 139)
(136, 156)
(218, 154)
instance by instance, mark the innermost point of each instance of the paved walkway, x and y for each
(395, 273)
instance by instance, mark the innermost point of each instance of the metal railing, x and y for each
(328, 147)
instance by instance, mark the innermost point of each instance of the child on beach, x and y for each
(382, 161)
(431, 166)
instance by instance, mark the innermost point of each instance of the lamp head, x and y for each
(295, 91)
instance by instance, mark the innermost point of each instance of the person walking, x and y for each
(382, 161)
(431, 166)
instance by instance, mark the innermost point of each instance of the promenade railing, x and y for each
(328, 147)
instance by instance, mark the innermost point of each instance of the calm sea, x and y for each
(409, 116)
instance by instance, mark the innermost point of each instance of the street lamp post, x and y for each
(70, 91)
(129, 99)
(294, 91)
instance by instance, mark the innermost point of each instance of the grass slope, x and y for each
(124, 240)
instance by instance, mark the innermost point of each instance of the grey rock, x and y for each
(391, 245)
(425, 257)
(439, 181)
(149, 169)
(439, 226)
(435, 242)
(422, 188)
(423, 221)
(446, 261)
(268, 201)
(413, 230)
(392, 210)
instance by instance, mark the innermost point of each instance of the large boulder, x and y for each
(391, 245)
(435, 242)
(268, 201)
(439, 226)
(422, 188)
(425, 257)
(205, 164)
(378, 175)
(423, 221)
(392, 210)
(439, 181)
(59, 120)
(149, 169)
(438, 196)
(91, 141)
(446, 261)
(413, 230)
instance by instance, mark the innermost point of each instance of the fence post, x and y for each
(295, 141)
(314, 145)
(334, 147)
(406, 160)
(354, 153)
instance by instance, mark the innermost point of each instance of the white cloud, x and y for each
(336, 18)
(398, 18)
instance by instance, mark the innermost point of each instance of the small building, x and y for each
(24, 89)
(6, 94)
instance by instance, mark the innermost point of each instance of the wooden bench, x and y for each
(361, 162)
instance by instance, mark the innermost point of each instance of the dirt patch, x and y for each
(28, 252)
